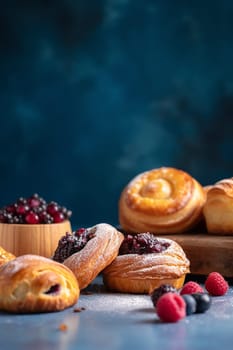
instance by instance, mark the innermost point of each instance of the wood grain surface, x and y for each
(207, 252)
(40, 239)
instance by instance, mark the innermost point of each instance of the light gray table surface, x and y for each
(118, 321)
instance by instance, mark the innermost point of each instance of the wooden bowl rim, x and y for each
(35, 225)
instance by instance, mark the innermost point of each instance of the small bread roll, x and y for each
(5, 256)
(163, 200)
(32, 283)
(218, 209)
(143, 272)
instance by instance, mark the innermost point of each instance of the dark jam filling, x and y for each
(72, 243)
(142, 243)
(53, 290)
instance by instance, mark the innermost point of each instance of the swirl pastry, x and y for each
(218, 209)
(88, 251)
(144, 263)
(32, 283)
(163, 200)
(5, 256)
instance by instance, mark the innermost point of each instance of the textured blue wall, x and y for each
(94, 92)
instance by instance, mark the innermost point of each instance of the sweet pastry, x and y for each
(88, 251)
(163, 200)
(32, 283)
(31, 225)
(5, 256)
(218, 209)
(144, 263)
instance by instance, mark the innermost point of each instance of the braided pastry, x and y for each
(163, 200)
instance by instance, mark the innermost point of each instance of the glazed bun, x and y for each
(163, 200)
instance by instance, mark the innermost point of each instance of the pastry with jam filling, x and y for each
(35, 284)
(144, 263)
(88, 251)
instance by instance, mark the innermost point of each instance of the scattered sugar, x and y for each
(116, 302)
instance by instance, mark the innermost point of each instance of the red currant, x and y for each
(32, 218)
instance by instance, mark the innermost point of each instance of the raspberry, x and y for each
(158, 292)
(215, 284)
(191, 287)
(171, 307)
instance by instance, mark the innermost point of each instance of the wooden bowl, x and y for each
(39, 239)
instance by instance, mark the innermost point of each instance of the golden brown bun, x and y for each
(32, 283)
(134, 273)
(5, 256)
(98, 253)
(163, 200)
(218, 209)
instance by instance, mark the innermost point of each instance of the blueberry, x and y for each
(203, 301)
(191, 304)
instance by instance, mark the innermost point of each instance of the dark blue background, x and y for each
(94, 92)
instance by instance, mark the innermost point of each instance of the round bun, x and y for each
(98, 253)
(163, 200)
(5, 256)
(142, 273)
(32, 283)
(218, 209)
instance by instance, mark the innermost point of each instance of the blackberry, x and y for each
(34, 210)
(72, 243)
(142, 243)
(158, 292)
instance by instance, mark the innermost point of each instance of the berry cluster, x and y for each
(33, 210)
(72, 243)
(173, 305)
(142, 243)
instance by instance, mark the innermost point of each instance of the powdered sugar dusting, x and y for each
(115, 302)
(96, 247)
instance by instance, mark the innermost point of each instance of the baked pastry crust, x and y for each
(163, 200)
(5, 256)
(32, 283)
(98, 253)
(135, 273)
(218, 209)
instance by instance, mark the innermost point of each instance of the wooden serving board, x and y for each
(207, 252)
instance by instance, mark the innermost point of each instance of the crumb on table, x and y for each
(63, 327)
